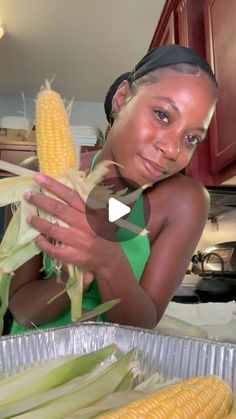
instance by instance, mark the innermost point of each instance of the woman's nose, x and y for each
(170, 146)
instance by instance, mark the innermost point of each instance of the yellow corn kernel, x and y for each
(207, 397)
(55, 148)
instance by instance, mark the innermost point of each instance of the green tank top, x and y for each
(136, 249)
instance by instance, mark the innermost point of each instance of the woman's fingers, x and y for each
(65, 235)
(88, 278)
(54, 207)
(66, 253)
(61, 191)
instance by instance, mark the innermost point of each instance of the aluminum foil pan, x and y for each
(171, 356)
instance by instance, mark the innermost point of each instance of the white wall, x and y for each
(83, 113)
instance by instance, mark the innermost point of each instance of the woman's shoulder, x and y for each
(178, 198)
(179, 188)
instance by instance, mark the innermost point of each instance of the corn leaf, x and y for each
(15, 169)
(132, 196)
(5, 281)
(10, 237)
(233, 407)
(98, 173)
(75, 291)
(112, 401)
(100, 309)
(13, 188)
(127, 382)
(26, 232)
(19, 255)
(121, 398)
(18, 245)
(51, 374)
(37, 400)
(149, 384)
(101, 385)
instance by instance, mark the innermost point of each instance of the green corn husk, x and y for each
(100, 385)
(29, 403)
(233, 407)
(123, 395)
(13, 188)
(50, 374)
(111, 402)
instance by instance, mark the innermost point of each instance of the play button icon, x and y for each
(116, 209)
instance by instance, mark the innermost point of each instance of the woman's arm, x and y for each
(187, 205)
(184, 206)
(30, 293)
(181, 224)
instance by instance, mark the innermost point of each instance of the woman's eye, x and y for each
(162, 116)
(193, 140)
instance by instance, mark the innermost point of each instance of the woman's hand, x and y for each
(63, 276)
(87, 280)
(79, 243)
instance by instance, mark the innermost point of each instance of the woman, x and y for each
(161, 114)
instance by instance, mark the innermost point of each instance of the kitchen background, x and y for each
(86, 44)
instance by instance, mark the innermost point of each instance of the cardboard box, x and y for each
(10, 134)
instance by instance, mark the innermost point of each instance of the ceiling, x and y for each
(83, 44)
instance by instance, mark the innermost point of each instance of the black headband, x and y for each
(168, 55)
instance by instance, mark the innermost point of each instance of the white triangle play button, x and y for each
(116, 209)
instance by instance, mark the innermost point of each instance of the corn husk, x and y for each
(50, 374)
(100, 385)
(53, 379)
(120, 398)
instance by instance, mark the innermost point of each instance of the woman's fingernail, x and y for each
(39, 178)
(28, 219)
(27, 195)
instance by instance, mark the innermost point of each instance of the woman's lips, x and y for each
(153, 169)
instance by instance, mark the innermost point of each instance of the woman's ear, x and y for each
(120, 97)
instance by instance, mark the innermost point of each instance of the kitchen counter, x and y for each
(214, 321)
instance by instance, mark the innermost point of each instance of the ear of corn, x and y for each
(233, 408)
(55, 147)
(207, 397)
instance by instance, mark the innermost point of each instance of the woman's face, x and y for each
(156, 131)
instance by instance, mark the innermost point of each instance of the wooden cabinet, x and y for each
(15, 152)
(221, 53)
(208, 26)
(16, 145)
(168, 36)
